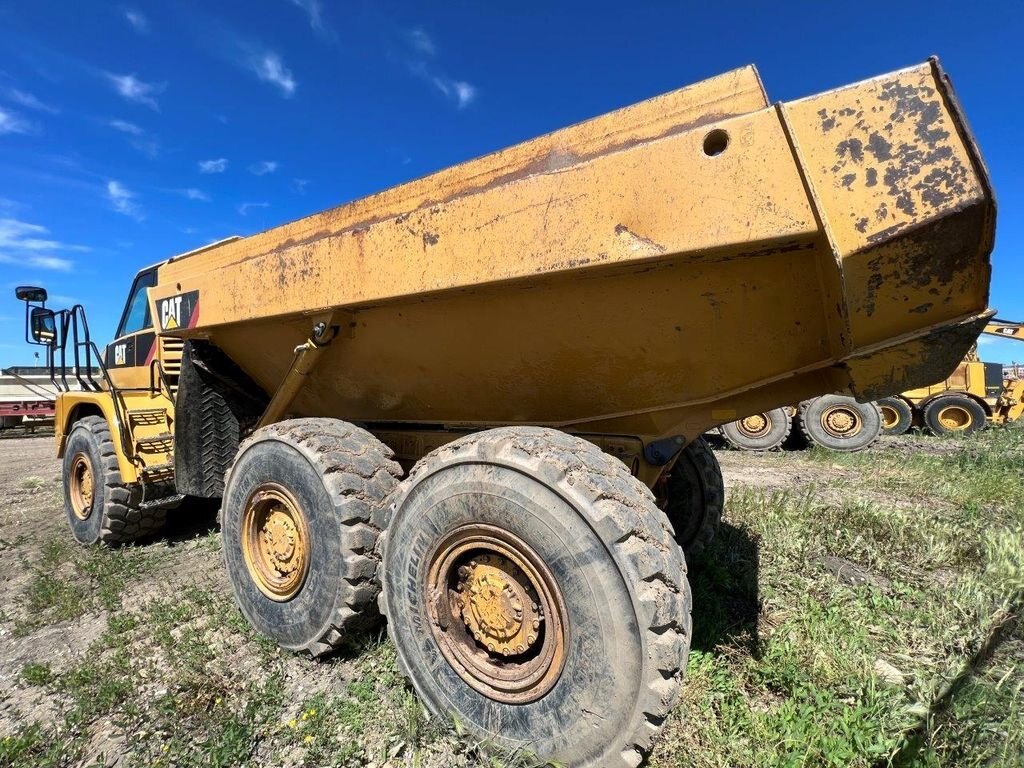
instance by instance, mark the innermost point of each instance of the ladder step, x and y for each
(147, 416)
(165, 502)
(156, 469)
(163, 442)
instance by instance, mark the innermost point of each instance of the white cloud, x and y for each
(123, 200)
(421, 42)
(29, 101)
(11, 122)
(269, 68)
(133, 89)
(458, 91)
(125, 127)
(213, 166)
(137, 20)
(299, 185)
(314, 10)
(195, 194)
(147, 145)
(39, 262)
(243, 208)
(25, 244)
(263, 168)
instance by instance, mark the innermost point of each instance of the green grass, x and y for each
(68, 581)
(793, 667)
(920, 667)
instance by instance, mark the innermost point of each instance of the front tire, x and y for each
(533, 527)
(100, 508)
(298, 540)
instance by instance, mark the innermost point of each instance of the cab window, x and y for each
(137, 316)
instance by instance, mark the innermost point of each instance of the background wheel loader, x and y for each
(975, 394)
(473, 403)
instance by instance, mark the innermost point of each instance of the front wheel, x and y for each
(100, 508)
(533, 591)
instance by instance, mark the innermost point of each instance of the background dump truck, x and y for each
(526, 339)
(975, 393)
(837, 422)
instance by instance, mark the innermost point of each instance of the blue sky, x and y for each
(131, 132)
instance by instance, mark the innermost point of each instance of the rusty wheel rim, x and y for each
(890, 418)
(82, 486)
(841, 421)
(275, 541)
(496, 613)
(955, 418)
(757, 425)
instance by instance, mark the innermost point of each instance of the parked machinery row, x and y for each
(975, 394)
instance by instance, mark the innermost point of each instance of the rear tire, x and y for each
(695, 497)
(897, 415)
(954, 415)
(761, 432)
(100, 508)
(840, 423)
(611, 581)
(298, 538)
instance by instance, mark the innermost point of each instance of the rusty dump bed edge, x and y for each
(650, 272)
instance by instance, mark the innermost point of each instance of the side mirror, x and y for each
(30, 293)
(43, 326)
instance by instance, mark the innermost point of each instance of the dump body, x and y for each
(585, 279)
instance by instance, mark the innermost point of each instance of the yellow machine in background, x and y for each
(975, 393)
(539, 336)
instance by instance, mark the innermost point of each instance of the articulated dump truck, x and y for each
(472, 403)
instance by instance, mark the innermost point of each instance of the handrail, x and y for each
(116, 399)
(83, 343)
(156, 366)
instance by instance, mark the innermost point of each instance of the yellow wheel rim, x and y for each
(955, 418)
(82, 486)
(842, 421)
(496, 613)
(890, 417)
(275, 542)
(757, 425)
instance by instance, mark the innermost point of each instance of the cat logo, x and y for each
(120, 354)
(1006, 331)
(180, 311)
(170, 313)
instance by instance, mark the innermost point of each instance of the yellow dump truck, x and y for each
(474, 401)
(975, 394)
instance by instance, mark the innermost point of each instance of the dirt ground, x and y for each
(138, 656)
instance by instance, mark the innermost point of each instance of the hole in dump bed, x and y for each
(716, 142)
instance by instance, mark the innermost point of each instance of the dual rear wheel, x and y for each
(528, 579)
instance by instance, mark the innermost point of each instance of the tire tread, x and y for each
(622, 513)
(359, 474)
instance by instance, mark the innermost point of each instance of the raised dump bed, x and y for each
(628, 282)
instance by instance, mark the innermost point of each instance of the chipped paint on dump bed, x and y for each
(584, 279)
(915, 227)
